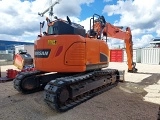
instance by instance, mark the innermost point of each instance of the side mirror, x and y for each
(42, 24)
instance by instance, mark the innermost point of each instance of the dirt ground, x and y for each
(138, 98)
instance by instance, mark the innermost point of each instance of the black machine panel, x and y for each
(28, 60)
(63, 27)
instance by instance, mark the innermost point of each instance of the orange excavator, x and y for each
(69, 62)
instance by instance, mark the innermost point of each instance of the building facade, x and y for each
(9, 46)
(155, 42)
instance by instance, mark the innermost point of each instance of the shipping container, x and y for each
(136, 55)
(29, 48)
(150, 56)
(125, 55)
(116, 55)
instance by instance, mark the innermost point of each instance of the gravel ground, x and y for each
(137, 98)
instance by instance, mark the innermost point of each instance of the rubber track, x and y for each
(52, 89)
(20, 77)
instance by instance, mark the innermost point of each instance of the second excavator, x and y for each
(70, 62)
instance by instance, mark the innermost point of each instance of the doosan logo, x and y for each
(45, 53)
(42, 53)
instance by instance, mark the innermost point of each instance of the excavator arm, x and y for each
(101, 27)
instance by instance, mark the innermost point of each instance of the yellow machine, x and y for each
(23, 60)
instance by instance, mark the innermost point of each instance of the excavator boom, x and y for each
(101, 27)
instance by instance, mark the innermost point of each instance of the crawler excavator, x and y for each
(70, 62)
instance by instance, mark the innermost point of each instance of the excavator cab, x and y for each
(93, 21)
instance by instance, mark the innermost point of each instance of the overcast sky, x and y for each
(19, 19)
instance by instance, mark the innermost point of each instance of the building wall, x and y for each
(29, 48)
(9, 45)
(134, 55)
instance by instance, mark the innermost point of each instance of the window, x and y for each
(52, 30)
